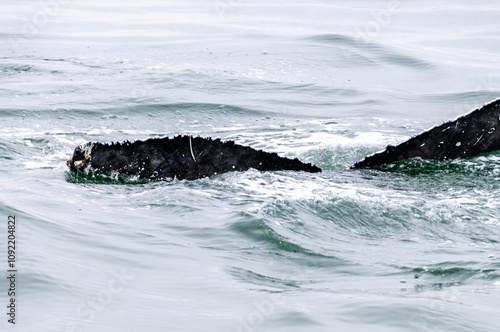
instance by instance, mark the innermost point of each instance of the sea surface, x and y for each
(413, 246)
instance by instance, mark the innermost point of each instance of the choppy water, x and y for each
(410, 247)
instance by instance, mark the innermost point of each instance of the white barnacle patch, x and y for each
(83, 165)
(86, 149)
(458, 144)
(79, 164)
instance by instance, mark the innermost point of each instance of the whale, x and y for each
(182, 157)
(470, 135)
(185, 157)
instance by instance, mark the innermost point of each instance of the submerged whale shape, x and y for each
(181, 157)
(469, 135)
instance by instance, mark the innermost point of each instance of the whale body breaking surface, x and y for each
(467, 136)
(181, 157)
(187, 157)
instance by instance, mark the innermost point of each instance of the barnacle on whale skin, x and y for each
(80, 159)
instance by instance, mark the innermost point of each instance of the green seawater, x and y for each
(410, 246)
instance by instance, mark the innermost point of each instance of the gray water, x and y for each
(409, 247)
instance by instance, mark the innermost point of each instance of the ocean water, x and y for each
(409, 247)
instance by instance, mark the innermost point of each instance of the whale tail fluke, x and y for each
(181, 157)
(469, 135)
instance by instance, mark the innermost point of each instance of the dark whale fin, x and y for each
(469, 135)
(181, 157)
